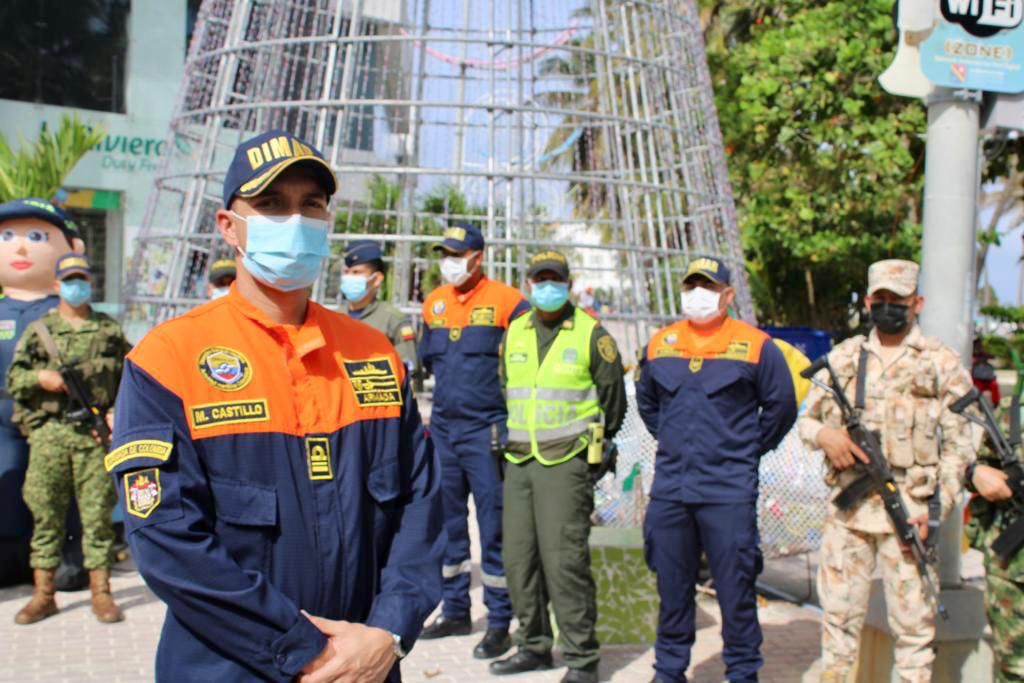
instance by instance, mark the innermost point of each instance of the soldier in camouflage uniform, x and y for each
(65, 457)
(1004, 581)
(910, 381)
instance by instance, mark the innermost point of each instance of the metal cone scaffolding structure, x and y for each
(588, 125)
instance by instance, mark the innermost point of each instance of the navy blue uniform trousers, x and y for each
(467, 465)
(674, 535)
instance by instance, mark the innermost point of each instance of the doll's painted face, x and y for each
(29, 249)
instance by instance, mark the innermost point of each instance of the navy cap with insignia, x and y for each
(461, 237)
(31, 207)
(72, 264)
(710, 267)
(259, 160)
(361, 251)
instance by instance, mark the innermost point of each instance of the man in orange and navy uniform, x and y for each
(717, 394)
(278, 490)
(463, 325)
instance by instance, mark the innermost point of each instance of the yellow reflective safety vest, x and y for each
(551, 401)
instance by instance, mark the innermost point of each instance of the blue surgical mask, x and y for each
(549, 296)
(284, 252)
(218, 292)
(75, 292)
(354, 287)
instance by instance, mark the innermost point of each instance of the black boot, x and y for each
(444, 627)
(520, 662)
(494, 644)
(586, 674)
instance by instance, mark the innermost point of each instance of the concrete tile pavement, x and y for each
(73, 647)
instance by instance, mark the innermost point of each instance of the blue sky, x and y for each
(1004, 263)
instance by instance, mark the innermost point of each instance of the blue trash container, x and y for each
(812, 343)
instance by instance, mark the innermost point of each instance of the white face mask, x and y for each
(700, 304)
(455, 269)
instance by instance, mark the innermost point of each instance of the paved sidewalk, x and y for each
(73, 647)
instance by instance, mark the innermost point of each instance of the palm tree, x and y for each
(38, 169)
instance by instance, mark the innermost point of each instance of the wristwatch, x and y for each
(399, 651)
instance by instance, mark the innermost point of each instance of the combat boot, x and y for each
(42, 604)
(103, 605)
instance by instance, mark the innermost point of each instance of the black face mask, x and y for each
(890, 318)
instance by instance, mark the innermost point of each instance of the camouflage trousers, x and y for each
(848, 560)
(1004, 605)
(63, 462)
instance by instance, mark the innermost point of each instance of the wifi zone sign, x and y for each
(984, 18)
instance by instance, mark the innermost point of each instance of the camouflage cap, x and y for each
(895, 275)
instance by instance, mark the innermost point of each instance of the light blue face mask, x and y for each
(354, 287)
(549, 296)
(284, 252)
(218, 292)
(75, 292)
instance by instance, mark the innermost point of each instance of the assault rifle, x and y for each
(1011, 539)
(876, 477)
(85, 409)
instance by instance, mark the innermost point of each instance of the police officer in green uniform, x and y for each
(360, 283)
(65, 458)
(563, 381)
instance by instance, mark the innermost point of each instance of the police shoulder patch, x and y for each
(374, 382)
(145, 448)
(224, 368)
(142, 492)
(606, 347)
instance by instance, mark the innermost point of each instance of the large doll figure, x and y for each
(33, 235)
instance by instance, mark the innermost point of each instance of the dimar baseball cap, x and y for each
(461, 237)
(72, 264)
(259, 160)
(710, 267)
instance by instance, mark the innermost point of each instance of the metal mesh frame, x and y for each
(587, 125)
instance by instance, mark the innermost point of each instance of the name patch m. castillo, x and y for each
(374, 382)
(229, 412)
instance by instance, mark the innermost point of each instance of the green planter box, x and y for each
(627, 595)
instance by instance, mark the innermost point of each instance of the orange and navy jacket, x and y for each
(267, 468)
(461, 336)
(716, 402)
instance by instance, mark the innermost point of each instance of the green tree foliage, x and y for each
(827, 168)
(38, 169)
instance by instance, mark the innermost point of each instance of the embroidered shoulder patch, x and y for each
(155, 450)
(483, 315)
(737, 350)
(606, 347)
(224, 368)
(142, 492)
(229, 412)
(374, 382)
